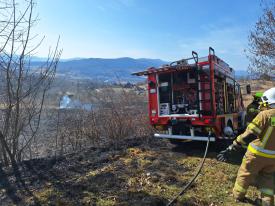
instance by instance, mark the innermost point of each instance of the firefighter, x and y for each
(259, 161)
(253, 108)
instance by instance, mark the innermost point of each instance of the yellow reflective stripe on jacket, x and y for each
(239, 188)
(256, 121)
(267, 191)
(261, 152)
(254, 128)
(267, 135)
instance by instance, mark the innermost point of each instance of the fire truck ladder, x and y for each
(200, 81)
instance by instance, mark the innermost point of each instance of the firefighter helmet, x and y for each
(269, 96)
(258, 95)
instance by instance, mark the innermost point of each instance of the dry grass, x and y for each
(141, 174)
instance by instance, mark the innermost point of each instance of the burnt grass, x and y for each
(137, 172)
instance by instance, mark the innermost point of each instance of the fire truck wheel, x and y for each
(228, 131)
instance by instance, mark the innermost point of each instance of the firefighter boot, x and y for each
(265, 185)
(266, 200)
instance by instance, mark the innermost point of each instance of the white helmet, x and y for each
(269, 96)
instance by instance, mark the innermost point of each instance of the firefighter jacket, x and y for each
(260, 135)
(251, 111)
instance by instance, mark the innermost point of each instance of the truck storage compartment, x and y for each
(178, 93)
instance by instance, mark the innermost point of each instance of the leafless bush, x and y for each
(76, 130)
(118, 114)
(23, 89)
(123, 114)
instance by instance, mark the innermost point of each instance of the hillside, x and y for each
(104, 69)
(108, 69)
(131, 169)
(142, 172)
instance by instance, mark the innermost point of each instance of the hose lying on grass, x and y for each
(194, 177)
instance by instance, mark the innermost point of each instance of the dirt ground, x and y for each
(142, 172)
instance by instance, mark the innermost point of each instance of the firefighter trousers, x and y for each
(258, 171)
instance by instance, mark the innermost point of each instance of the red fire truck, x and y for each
(195, 99)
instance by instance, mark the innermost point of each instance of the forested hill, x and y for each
(104, 69)
(108, 69)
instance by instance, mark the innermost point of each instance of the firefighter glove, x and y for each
(230, 151)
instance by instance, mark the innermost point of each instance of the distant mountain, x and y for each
(44, 59)
(108, 69)
(104, 69)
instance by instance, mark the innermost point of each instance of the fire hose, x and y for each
(186, 187)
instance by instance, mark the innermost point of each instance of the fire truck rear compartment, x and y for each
(184, 93)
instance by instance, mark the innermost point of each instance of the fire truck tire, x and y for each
(222, 144)
(228, 130)
(242, 122)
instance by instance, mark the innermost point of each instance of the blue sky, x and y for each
(162, 29)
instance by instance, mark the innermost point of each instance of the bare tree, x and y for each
(122, 115)
(23, 88)
(262, 42)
